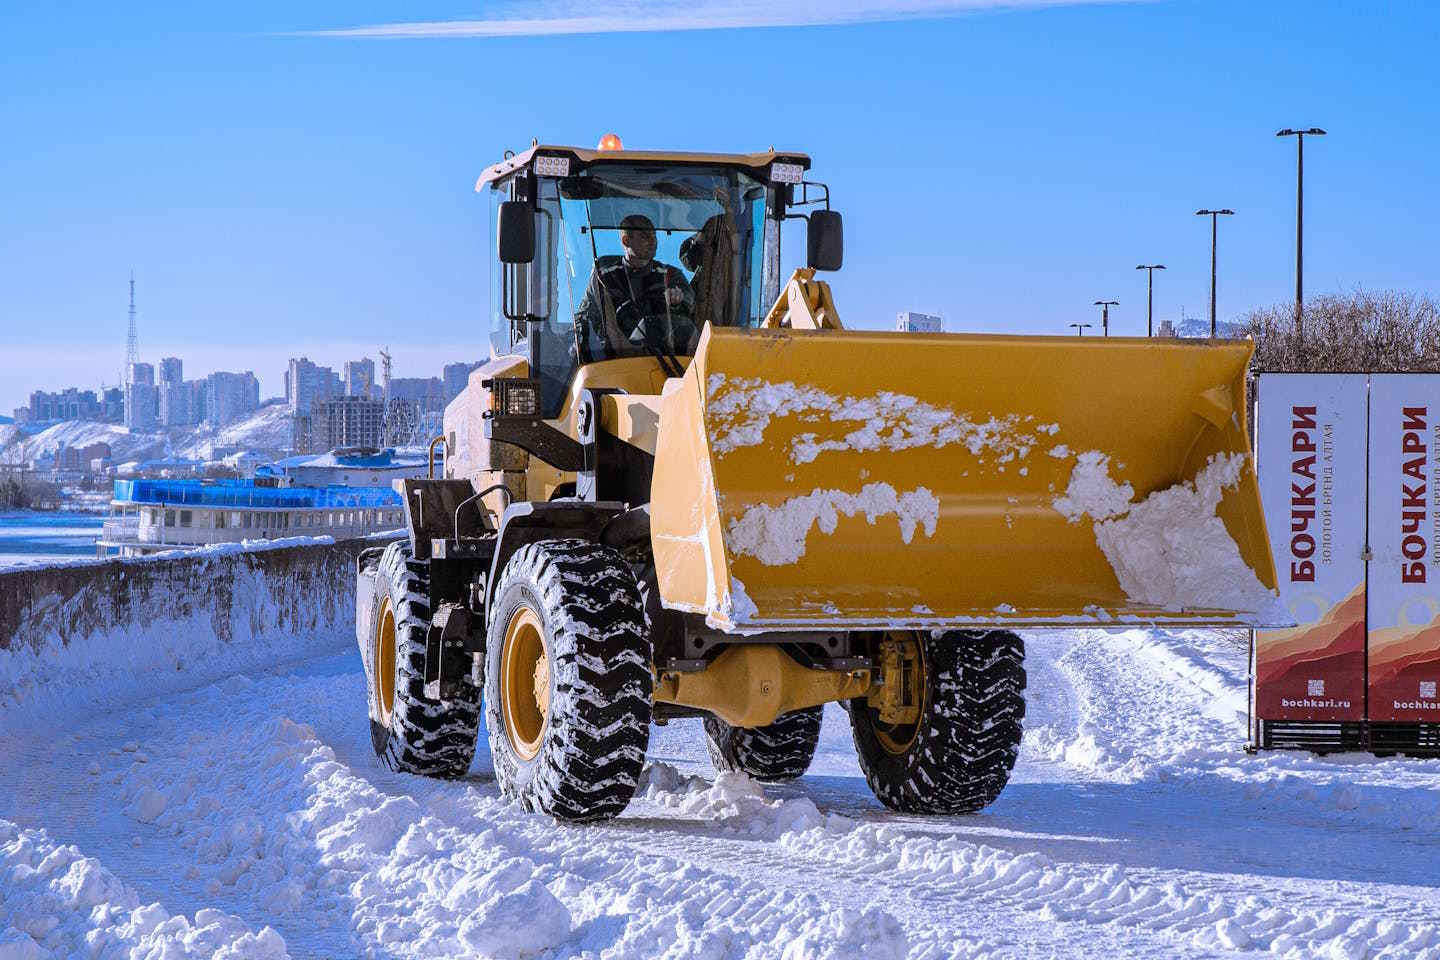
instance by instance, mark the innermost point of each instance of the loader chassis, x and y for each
(529, 569)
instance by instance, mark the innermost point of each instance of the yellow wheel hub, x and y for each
(384, 661)
(906, 661)
(525, 682)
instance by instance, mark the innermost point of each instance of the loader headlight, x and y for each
(552, 166)
(515, 397)
(786, 172)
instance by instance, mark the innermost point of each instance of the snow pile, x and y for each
(55, 902)
(733, 800)
(777, 535)
(1170, 550)
(1091, 491)
(738, 606)
(739, 410)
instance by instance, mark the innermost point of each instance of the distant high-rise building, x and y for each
(307, 384)
(171, 370)
(350, 422)
(142, 399)
(908, 321)
(112, 404)
(182, 404)
(426, 393)
(142, 406)
(71, 403)
(360, 378)
(230, 396)
(456, 376)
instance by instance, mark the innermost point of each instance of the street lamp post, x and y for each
(1080, 328)
(1105, 306)
(1214, 215)
(1150, 295)
(1300, 136)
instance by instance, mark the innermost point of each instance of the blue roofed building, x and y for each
(350, 466)
(153, 515)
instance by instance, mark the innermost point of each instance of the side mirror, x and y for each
(515, 232)
(825, 241)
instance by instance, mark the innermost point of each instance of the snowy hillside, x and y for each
(1199, 327)
(249, 815)
(267, 430)
(124, 444)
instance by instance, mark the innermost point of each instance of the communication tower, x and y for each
(132, 339)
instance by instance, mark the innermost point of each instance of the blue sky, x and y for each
(279, 193)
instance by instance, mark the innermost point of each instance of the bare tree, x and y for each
(1381, 332)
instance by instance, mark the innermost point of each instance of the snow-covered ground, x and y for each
(240, 813)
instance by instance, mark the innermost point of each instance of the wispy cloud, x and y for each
(640, 16)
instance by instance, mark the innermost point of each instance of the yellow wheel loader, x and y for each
(682, 489)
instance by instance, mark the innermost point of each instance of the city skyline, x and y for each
(65, 381)
(280, 194)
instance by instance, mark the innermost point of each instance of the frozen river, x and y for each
(35, 536)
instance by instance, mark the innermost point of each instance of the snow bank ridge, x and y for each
(94, 632)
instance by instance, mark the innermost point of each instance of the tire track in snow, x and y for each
(269, 821)
(265, 788)
(1111, 897)
(1169, 708)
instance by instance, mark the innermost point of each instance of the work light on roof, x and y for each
(552, 166)
(611, 141)
(786, 172)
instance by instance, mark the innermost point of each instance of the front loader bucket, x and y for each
(814, 480)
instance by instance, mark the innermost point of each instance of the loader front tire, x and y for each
(568, 680)
(410, 732)
(958, 756)
(781, 751)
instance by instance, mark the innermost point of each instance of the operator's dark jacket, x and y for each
(619, 297)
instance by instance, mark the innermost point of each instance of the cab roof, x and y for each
(586, 156)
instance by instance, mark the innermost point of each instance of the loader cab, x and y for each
(563, 292)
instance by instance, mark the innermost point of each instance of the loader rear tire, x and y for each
(568, 680)
(413, 733)
(781, 751)
(958, 756)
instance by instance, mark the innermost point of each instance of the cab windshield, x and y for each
(635, 261)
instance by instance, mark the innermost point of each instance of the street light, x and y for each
(1105, 306)
(1300, 136)
(1150, 295)
(1080, 328)
(1213, 215)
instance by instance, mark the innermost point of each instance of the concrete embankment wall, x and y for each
(111, 624)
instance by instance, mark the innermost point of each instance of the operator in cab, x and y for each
(635, 304)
